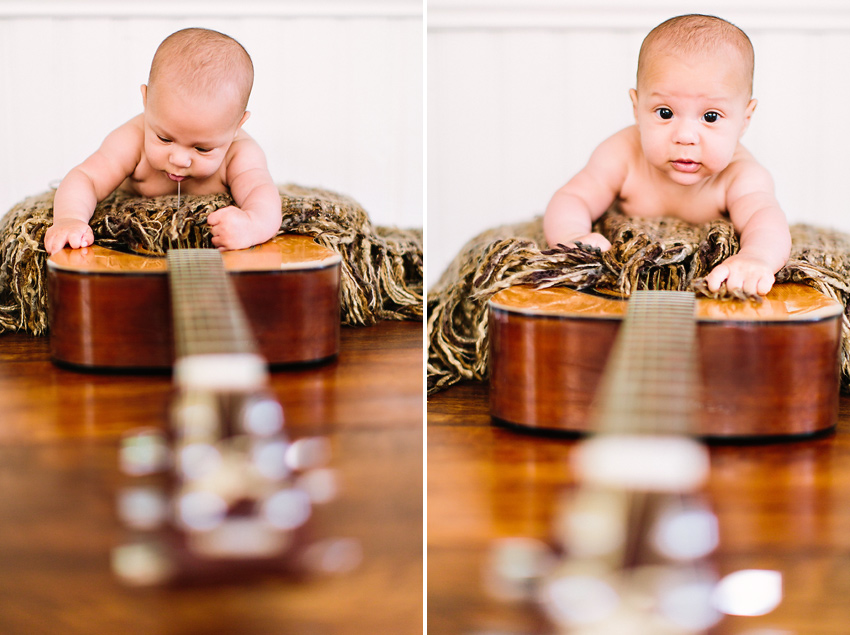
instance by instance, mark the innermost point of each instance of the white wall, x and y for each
(518, 97)
(337, 100)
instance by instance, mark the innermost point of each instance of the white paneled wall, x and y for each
(519, 95)
(337, 100)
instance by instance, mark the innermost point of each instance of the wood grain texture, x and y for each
(59, 434)
(782, 506)
(766, 370)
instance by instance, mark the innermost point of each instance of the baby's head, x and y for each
(693, 99)
(195, 101)
(699, 36)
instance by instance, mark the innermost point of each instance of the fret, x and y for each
(208, 317)
(650, 383)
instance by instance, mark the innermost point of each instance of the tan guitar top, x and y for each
(288, 251)
(785, 303)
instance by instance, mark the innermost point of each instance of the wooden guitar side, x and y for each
(768, 370)
(109, 309)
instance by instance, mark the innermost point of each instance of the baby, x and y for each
(189, 133)
(682, 157)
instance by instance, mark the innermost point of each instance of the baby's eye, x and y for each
(203, 150)
(163, 139)
(664, 113)
(711, 117)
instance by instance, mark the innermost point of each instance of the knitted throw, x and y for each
(381, 273)
(656, 253)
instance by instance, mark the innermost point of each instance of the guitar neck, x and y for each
(213, 340)
(650, 385)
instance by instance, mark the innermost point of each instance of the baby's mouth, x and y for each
(175, 177)
(686, 165)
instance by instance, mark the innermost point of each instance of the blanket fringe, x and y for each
(646, 253)
(381, 266)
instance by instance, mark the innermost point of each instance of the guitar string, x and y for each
(207, 327)
(211, 319)
(655, 349)
(656, 356)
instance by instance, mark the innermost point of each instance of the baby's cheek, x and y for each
(208, 167)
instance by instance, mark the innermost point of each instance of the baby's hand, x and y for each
(232, 228)
(742, 271)
(67, 231)
(594, 240)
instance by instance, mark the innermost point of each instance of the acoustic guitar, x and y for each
(223, 491)
(634, 540)
(766, 370)
(112, 310)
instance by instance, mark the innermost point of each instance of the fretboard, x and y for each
(208, 317)
(650, 382)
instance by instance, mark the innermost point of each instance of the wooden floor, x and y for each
(782, 507)
(59, 434)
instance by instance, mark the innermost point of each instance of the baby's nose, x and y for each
(686, 133)
(180, 159)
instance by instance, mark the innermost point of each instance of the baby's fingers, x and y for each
(79, 239)
(51, 244)
(762, 284)
(716, 277)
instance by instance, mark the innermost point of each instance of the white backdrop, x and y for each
(518, 97)
(337, 99)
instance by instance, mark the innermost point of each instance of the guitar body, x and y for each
(768, 370)
(111, 310)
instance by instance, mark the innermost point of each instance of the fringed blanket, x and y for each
(660, 253)
(381, 266)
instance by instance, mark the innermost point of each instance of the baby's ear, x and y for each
(144, 89)
(748, 114)
(243, 120)
(633, 97)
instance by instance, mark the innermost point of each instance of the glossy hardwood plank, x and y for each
(59, 433)
(783, 506)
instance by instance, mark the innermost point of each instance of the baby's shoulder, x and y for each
(744, 177)
(129, 135)
(744, 171)
(625, 142)
(618, 152)
(134, 128)
(125, 144)
(244, 153)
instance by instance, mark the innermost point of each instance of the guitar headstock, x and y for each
(627, 550)
(222, 492)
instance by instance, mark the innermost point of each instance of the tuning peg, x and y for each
(593, 522)
(262, 415)
(143, 452)
(516, 567)
(142, 507)
(686, 529)
(308, 453)
(195, 415)
(287, 509)
(143, 563)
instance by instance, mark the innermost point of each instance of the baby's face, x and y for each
(188, 137)
(691, 113)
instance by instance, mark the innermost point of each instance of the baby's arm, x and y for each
(765, 237)
(573, 209)
(87, 184)
(256, 217)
